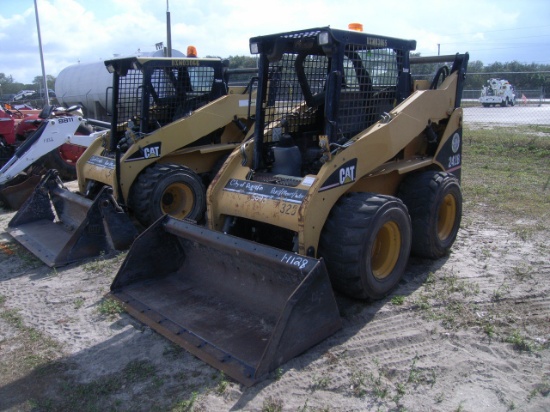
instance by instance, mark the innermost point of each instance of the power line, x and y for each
(499, 72)
(516, 28)
(501, 40)
(499, 30)
(504, 48)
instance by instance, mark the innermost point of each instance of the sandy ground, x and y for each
(466, 333)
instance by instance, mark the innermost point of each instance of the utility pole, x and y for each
(168, 32)
(44, 81)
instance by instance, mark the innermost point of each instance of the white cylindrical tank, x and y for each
(85, 84)
(89, 85)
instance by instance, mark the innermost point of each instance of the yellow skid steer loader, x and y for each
(174, 121)
(354, 163)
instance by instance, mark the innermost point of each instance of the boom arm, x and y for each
(49, 136)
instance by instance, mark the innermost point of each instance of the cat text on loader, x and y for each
(352, 165)
(174, 120)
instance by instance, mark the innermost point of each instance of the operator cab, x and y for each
(318, 89)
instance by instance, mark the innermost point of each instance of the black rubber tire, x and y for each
(366, 243)
(434, 201)
(55, 160)
(168, 189)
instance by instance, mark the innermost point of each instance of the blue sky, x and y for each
(86, 31)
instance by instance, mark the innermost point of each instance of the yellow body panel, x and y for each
(375, 169)
(174, 139)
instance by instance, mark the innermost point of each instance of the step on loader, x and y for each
(174, 121)
(354, 164)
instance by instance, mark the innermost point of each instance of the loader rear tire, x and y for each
(366, 244)
(168, 189)
(434, 200)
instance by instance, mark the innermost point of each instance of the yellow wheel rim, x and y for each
(177, 200)
(446, 217)
(385, 251)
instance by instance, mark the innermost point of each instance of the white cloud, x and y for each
(87, 31)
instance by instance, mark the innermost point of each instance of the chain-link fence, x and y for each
(526, 111)
(523, 97)
(530, 106)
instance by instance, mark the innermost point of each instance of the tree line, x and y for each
(522, 76)
(8, 85)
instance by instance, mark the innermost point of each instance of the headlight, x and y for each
(324, 38)
(254, 49)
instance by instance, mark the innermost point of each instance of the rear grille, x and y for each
(369, 82)
(173, 92)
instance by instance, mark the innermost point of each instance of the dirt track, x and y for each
(517, 115)
(465, 333)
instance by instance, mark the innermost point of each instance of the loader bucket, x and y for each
(14, 195)
(242, 307)
(61, 227)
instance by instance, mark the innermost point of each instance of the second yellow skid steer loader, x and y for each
(353, 164)
(174, 121)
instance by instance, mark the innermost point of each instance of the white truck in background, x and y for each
(497, 91)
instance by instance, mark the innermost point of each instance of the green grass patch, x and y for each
(520, 343)
(186, 405)
(101, 394)
(507, 171)
(34, 350)
(398, 300)
(110, 307)
(104, 264)
(272, 404)
(13, 318)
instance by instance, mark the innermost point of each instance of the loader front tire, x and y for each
(168, 189)
(434, 200)
(366, 243)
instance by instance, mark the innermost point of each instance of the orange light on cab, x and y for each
(191, 51)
